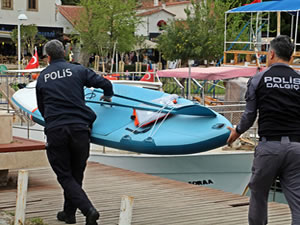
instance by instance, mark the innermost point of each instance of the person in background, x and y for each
(68, 123)
(71, 54)
(275, 94)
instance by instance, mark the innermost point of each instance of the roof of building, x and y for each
(151, 12)
(150, 4)
(70, 12)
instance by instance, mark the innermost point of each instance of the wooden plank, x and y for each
(157, 201)
(245, 52)
(22, 144)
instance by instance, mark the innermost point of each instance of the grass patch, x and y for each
(35, 221)
(9, 219)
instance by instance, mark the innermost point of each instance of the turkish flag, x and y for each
(149, 76)
(255, 1)
(34, 62)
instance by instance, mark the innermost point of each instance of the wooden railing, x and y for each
(249, 54)
(8, 59)
(242, 52)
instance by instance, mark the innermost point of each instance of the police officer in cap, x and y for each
(275, 94)
(61, 101)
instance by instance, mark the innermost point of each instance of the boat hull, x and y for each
(228, 171)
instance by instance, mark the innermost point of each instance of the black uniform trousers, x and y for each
(272, 159)
(68, 150)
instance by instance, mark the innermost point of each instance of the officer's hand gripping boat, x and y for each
(144, 121)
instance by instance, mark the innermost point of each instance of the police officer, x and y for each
(60, 98)
(275, 93)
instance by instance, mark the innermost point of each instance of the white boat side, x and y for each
(142, 84)
(37, 70)
(225, 170)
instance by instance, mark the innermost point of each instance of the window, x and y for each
(32, 5)
(7, 4)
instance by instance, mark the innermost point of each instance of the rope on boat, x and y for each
(159, 111)
(160, 123)
(156, 120)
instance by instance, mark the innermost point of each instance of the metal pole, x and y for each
(225, 31)
(28, 129)
(7, 92)
(117, 62)
(256, 29)
(278, 23)
(268, 31)
(251, 35)
(189, 83)
(292, 26)
(19, 50)
(296, 32)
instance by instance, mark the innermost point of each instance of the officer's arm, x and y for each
(248, 117)
(97, 81)
(39, 99)
(250, 112)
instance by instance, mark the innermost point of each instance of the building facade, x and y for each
(42, 13)
(155, 13)
(152, 22)
(53, 19)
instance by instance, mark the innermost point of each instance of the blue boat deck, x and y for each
(157, 201)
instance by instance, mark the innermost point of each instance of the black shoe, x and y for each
(69, 219)
(92, 216)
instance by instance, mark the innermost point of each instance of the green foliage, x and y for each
(171, 87)
(11, 213)
(107, 25)
(31, 221)
(14, 86)
(35, 221)
(201, 36)
(234, 4)
(29, 37)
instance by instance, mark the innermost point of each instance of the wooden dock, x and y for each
(157, 201)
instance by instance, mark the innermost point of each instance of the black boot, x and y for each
(92, 216)
(69, 219)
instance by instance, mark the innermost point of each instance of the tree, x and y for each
(107, 26)
(201, 36)
(29, 37)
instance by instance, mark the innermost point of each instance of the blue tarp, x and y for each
(271, 6)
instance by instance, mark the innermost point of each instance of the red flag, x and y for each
(149, 76)
(255, 1)
(34, 62)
